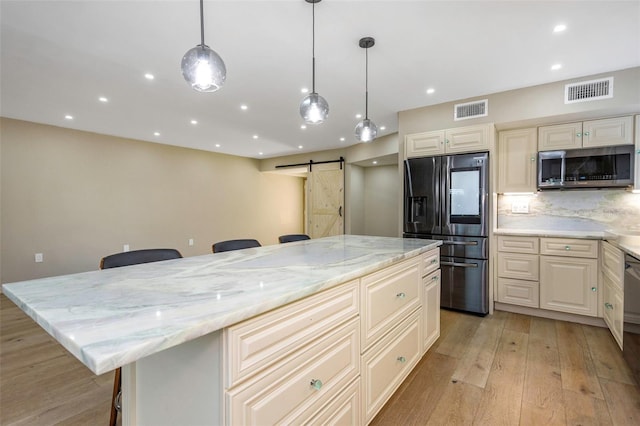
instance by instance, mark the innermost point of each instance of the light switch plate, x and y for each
(520, 206)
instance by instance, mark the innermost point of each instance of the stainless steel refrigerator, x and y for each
(446, 198)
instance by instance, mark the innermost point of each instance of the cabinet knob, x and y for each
(316, 384)
(533, 158)
(434, 278)
(586, 133)
(567, 248)
(608, 305)
(446, 141)
(402, 359)
(594, 289)
(433, 261)
(578, 135)
(401, 295)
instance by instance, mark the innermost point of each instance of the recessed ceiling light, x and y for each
(303, 127)
(156, 133)
(430, 90)
(556, 67)
(68, 117)
(260, 153)
(244, 107)
(255, 136)
(194, 121)
(103, 99)
(217, 145)
(559, 28)
(375, 162)
(304, 90)
(341, 139)
(383, 127)
(299, 146)
(149, 76)
(358, 115)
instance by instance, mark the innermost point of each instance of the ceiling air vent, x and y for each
(471, 110)
(588, 90)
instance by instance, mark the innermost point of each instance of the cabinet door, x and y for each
(467, 139)
(607, 132)
(560, 136)
(613, 263)
(424, 144)
(613, 311)
(517, 160)
(431, 310)
(569, 284)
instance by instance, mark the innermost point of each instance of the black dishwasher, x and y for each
(631, 326)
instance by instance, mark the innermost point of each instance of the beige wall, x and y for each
(77, 196)
(381, 191)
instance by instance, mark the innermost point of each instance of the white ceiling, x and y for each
(59, 57)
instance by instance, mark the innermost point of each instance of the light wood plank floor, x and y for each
(504, 369)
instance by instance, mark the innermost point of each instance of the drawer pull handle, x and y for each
(594, 289)
(433, 261)
(567, 248)
(608, 305)
(402, 359)
(434, 278)
(401, 295)
(316, 384)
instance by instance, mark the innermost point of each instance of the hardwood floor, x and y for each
(504, 369)
(511, 369)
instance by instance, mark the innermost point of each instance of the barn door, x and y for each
(325, 197)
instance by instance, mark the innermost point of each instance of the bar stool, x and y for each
(292, 237)
(118, 260)
(230, 245)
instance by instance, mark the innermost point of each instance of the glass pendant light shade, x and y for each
(366, 130)
(314, 109)
(203, 69)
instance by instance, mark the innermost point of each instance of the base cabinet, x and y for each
(569, 285)
(612, 259)
(431, 310)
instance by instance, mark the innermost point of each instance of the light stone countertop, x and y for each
(114, 317)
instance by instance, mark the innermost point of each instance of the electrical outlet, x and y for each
(520, 206)
(39, 258)
(125, 247)
(190, 242)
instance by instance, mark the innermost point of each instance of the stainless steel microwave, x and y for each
(586, 168)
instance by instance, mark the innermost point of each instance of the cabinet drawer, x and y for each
(387, 297)
(344, 410)
(519, 292)
(520, 266)
(430, 261)
(613, 263)
(285, 394)
(572, 247)
(256, 343)
(388, 363)
(511, 244)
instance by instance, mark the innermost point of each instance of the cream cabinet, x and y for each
(569, 275)
(518, 270)
(431, 312)
(612, 259)
(587, 134)
(517, 160)
(450, 141)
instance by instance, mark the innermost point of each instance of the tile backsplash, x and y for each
(579, 210)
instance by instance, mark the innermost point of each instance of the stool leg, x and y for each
(117, 384)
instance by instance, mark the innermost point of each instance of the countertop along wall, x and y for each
(77, 196)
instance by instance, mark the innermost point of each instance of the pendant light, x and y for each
(314, 109)
(366, 130)
(202, 67)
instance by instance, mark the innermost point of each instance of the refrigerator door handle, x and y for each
(462, 265)
(459, 243)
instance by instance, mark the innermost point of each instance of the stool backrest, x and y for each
(293, 237)
(234, 245)
(136, 257)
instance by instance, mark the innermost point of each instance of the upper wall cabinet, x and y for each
(450, 141)
(517, 160)
(587, 134)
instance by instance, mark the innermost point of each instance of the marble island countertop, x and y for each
(114, 317)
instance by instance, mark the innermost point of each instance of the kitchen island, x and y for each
(185, 330)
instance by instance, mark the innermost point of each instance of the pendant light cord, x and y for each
(366, 84)
(202, 22)
(313, 48)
